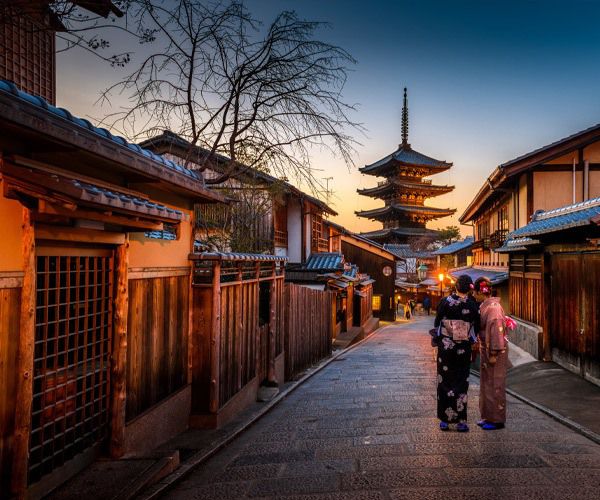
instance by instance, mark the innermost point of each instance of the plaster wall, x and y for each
(294, 228)
(11, 214)
(592, 153)
(149, 252)
(555, 189)
(594, 184)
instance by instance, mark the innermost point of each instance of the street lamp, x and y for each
(441, 278)
(422, 272)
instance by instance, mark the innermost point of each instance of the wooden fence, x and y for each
(310, 324)
(237, 331)
(157, 340)
(363, 305)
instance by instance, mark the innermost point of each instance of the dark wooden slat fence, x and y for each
(309, 329)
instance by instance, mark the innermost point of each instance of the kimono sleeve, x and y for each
(495, 329)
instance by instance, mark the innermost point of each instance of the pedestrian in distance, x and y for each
(407, 311)
(427, 304)
(493, 353)
(456, 324)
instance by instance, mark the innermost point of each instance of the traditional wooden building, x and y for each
(404, 215)
(372, 259)
(554, 264)
(94, 293)
(456, 254)
(267, 215)
(562, 173)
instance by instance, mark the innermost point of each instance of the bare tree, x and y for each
(262, 96)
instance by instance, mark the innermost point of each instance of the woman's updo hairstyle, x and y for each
(483, 285)
(464, 283)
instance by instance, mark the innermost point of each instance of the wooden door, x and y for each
(591, 315)
(566, 305)
(73, 330)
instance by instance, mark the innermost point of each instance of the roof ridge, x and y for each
(567, 209)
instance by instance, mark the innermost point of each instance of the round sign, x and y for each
(387, 271)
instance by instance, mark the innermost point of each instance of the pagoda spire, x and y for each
(405, 122)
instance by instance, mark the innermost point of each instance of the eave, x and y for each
(30, 125)
(417, 187)
(385, 212)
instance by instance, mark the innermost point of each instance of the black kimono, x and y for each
(454, 358)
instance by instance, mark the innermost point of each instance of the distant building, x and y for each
(404, 215)
(457, 254)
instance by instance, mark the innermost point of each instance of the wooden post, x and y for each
(25, 361)
(119, 352)
(272, 325)
(215, 340)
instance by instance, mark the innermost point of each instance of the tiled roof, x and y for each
(496, 277)
(517, 245)
(407, 156)
(399, 231)
(253, 257)
(570, 216)
(403, 209)
(98, 194)
(170, 138)
(457, 246)
(404, 251)
(10, 88)
(324, 261)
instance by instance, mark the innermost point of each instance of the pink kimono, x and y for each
(492, 396)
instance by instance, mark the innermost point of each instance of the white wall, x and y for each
(294, 228)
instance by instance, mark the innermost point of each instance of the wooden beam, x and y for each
(215, 341)
(26, 341)
(106, 217)
(58, 233)
(119, 352)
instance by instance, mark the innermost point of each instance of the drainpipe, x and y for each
(574, 167)
(586, 180)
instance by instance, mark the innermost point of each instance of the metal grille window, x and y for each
(70, 410)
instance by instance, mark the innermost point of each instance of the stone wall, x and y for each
(528, 336)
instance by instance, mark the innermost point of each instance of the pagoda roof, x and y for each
(395, 209)
(403, 232)
(405, 156)
(388, 186)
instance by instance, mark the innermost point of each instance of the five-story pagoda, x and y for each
(404, 215)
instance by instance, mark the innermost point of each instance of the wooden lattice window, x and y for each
(70, 409)
(27, 55)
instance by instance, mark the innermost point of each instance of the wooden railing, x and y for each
(497, 238)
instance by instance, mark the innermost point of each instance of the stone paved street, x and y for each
(365, 428)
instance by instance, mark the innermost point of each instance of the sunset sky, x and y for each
(487, 81)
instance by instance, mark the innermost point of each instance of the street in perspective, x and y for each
(299, 250)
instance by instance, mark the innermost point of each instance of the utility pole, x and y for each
(327, 191)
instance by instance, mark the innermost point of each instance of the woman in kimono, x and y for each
(494, 358)
(456, 323)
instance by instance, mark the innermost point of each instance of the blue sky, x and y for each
(487, 81)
